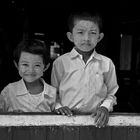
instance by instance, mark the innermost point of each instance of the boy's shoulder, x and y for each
(103, 57)
(62, 57)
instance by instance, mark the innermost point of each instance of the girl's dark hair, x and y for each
(32, 46)
(90, 16)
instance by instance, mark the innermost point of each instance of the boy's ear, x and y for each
(46, 67)
(16, 65)
(100, 37)
(70, 36)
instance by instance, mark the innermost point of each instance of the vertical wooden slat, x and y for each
(133, 133)
(103, 133)
(119, 133)
(54, 133)
(38, 133)
(87, 132)
(137, 131)
(5, 133)
(20, 133)
(71, 133)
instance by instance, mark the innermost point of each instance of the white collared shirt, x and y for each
(84, 87)
(15, 96)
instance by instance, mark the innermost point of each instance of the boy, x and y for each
(31, 93)
(86, 81)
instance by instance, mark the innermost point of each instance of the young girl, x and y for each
(31, 93)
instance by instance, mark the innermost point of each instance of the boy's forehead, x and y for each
(85, 24)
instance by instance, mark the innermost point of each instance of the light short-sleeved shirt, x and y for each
(15, 96)
(84, 87)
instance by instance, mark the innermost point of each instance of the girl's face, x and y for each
(30, 66)
(85, 35)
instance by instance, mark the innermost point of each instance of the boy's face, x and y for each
(85, 35)
(30, 66)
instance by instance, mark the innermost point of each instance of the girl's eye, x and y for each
(37, 65)
(93, 32)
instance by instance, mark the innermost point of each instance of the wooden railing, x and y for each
(121, 126)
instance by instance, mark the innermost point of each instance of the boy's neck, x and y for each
(35, 87)
(85, 55)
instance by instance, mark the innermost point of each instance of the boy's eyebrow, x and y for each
(23, 61)
(81, 29)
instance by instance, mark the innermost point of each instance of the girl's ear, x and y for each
(70, 36)
(101, 35)
(16, 65)
(46, 67)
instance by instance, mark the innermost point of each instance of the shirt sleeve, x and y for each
(4, 100)
(58, 102)
(56, 76)
(112, 87)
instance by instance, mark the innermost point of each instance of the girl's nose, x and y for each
(31, 69)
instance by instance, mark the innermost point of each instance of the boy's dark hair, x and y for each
(90, 16)
(32, 46)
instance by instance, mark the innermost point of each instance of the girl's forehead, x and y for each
(85, 24)
(30, 57)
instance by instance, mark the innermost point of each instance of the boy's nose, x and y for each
(86, 37)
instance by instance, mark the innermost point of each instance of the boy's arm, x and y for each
(56, 76)
(112, 87)
(102, 114)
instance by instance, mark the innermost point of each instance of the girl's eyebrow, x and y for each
(38, 62)
(93, 30)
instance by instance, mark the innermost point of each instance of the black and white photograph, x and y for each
(69, 70)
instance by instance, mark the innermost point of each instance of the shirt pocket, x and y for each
(100, 87)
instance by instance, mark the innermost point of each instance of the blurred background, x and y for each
(47, 21)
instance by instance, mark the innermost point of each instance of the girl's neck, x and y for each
(35, 87)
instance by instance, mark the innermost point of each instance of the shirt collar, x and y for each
(22, 90)
(95, 55)
(75, 54)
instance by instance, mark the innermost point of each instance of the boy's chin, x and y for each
(84, 50)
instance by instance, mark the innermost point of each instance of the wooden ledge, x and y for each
(122, 119)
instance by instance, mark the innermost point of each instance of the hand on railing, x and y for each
(64, 111)
(101, 117)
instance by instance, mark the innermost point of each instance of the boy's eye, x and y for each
(24, 64)
(80, 32)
